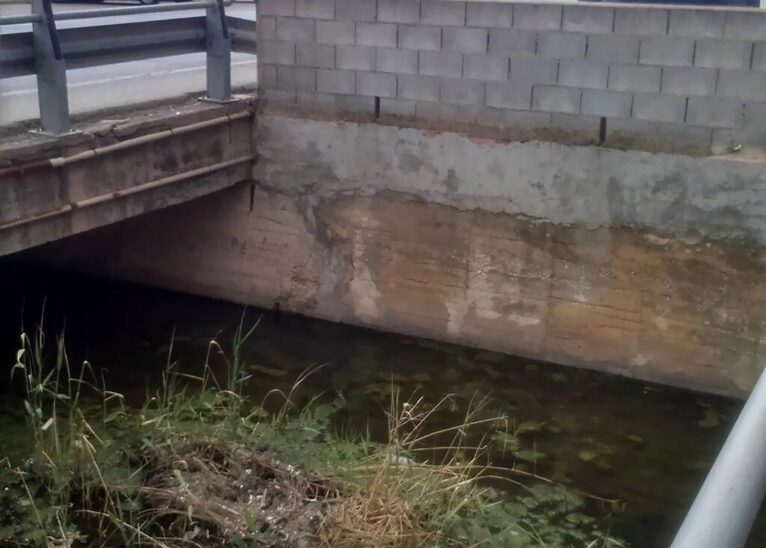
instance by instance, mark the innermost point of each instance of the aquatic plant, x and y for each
(68, 456)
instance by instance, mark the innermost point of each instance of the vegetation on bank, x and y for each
(199, 465)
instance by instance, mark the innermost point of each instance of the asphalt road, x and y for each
(109, 86)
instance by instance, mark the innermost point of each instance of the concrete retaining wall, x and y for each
(624, 75)
(646, 265)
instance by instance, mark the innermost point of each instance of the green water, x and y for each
(646, 445)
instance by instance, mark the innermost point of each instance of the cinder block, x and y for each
(525, 118)
(512, 42)
(489, 15)
(296, 78)
(319, 99)
(315, 55)
(583, 74)
(714, 112)
(606, 103)
(595, 19)
(509, 95)
(556, 99)
(621, 131)
(441, 63)
(686, 134)
(400, 61)
(462, 92)
(667, 51)
(278, 95)
(759, 56)
(464, 40)
(755, 115)
(490, 116)
(295, 30)
(613, 48)
(336, 81)
(335, 32)
(696, 23)
(587, 126)
(659, 108)
(315, 9)
(689, 81)
(745, 25)
(427, 110)
(338, 103)
(533, 70)
(729, 54)
(266, 28)
(561, 45)
(376, 34)
(355, 103)
(355, 57)
(750, 139)
(397, 107)
(641, 22)
(267, 75)
(420, 37)
(418, 88)
(634, 78)
(278, 53)
(355, 10)
(376, 84)
(744, 85)
(478, 66)
(536, 16)
(276, 7)
(435, 12)
(399, 11)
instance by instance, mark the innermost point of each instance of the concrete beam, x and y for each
(110, 171)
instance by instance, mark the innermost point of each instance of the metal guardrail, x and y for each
(48, 52)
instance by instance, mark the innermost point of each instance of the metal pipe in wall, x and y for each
(728, 502)
(136, 141)
(122, 145)
(87, 202)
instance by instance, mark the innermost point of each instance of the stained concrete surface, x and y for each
(619, 261)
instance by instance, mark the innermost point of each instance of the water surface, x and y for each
(647, 445)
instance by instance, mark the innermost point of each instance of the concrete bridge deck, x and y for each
(113, 169)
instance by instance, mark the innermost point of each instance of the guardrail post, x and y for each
(51, 71)
(218, 55)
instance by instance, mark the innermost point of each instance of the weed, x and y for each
(200, 465)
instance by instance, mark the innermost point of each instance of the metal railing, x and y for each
(48, 52)
(727, 504)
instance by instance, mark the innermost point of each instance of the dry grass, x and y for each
(371, 519)
(227, 490)
(400, 501)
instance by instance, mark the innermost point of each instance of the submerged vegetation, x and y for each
(199, 464)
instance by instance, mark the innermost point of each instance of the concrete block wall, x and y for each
(687, 74)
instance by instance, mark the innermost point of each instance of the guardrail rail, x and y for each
(48, 52)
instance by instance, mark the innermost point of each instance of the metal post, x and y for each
(728, 502)
(218, 55)
(51, 71)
